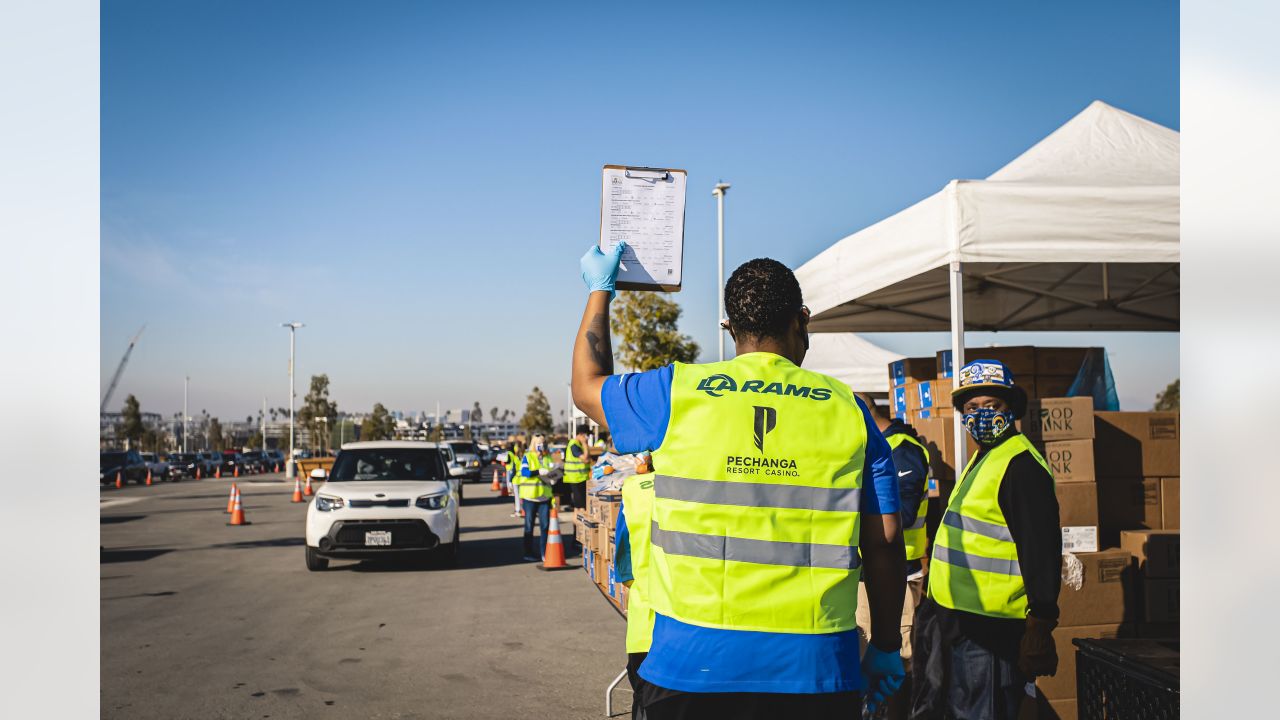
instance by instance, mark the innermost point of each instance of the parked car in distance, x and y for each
(232, 461)
(275, 460)
(253, 462)
(210, 462)
(182, 465)
(387, 499)
(128, 464)
(159, 468)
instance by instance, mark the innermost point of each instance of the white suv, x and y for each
(384, 499)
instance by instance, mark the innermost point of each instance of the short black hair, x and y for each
(761, 298)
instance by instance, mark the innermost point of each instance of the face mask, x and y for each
(987, 425)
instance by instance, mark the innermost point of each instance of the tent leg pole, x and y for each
(958, 359)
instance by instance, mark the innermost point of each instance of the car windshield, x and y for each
(113, 458)
(465, 447)
(387, 464)
(149, 457)
(184, 458)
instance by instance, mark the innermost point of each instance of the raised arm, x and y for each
(593, 348)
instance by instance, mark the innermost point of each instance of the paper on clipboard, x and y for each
(644, 207)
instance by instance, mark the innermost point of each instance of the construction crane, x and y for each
(120, 369)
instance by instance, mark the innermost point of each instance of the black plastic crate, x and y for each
(1127, 679)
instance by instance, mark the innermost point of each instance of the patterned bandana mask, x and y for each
(987, 425)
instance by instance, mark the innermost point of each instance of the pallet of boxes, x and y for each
(1117, 479)
(595, 528)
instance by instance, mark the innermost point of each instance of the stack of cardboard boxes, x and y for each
(1116, 476)
(595, 529)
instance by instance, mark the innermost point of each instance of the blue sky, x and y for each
(416, 181)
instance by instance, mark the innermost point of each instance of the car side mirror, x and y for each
(319, 474)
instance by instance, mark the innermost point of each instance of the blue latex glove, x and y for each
(884, 674)
(600, 271)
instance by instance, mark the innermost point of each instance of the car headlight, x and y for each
(475, 463)
(325, 503)
(433, 502)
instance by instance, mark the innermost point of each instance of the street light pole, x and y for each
(185, 381)
(719, 192)
(290, 469)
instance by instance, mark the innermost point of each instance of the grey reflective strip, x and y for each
(959, 558)
(728, 492)
(919, 523)
(977, 527)
(761, 552)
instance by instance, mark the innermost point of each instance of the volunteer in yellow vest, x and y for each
(985, 629)
(773, 493)
(631, 566)
(535, 496)
(911, 461)
(577, 467)
(512, 463)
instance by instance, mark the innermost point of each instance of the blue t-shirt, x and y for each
(692, 658)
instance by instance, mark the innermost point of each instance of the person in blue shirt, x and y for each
(701, 671)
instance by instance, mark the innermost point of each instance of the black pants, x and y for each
(953, 677)
(578, 495)
(639, 685)
(756, 706)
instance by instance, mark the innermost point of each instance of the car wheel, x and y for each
(315, 562)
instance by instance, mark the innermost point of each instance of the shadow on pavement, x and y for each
(117, 519)
(132, 555)
(489, 528)
(162, 593)
(274, 542)
(471, 501)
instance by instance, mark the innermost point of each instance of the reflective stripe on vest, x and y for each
(975, 561)
(915, 537)
(637, 509)
(575, 470)
(531, 487)
(756, 516)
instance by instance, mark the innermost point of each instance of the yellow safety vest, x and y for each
(637, 507)
(757, 495)
(531, 487)
(975, 561)
(575, 469)
(512, 463)
(914, 537)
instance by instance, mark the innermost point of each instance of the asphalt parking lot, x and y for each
(202, 620)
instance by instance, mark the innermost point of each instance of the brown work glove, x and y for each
(1037, 654)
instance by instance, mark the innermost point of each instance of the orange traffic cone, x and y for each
(307, 490)
(217, 473)
(197, 472)
(297, 491)
(231, 501)
(276, 468)
(553, 558)
(494, 486)
(119, 481)
(505, 492)
(236, 472)
(148, 477)
(237, 511)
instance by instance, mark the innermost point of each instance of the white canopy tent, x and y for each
(858, 363)
(1080, 232)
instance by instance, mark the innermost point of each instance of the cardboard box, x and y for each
(936, 434)
(1059, 419)
(1132, 444)
(912, 392)
(1052, 386)
(905, 370)
(926, 394)
(1080, 539)
(1155, 551)
(1077, 504)
(1070, 461)
(1021, 360)
(601, 573)
(1127, 504)
(1170, 503)
(1062, 686)
(898, 400)
(1040, 708)
(1160, 600)
(610, 504)
(1059, 360)
(1159, 630)
(1106, 593)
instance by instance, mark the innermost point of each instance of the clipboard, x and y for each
(646, 207)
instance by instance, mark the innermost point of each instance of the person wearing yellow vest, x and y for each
(631, 567)
(985, 628)
(773, 493)
(511, 461)
(577, 468)
(535, 496)
(911, 461)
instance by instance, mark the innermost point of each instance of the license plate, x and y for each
(378, 537)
